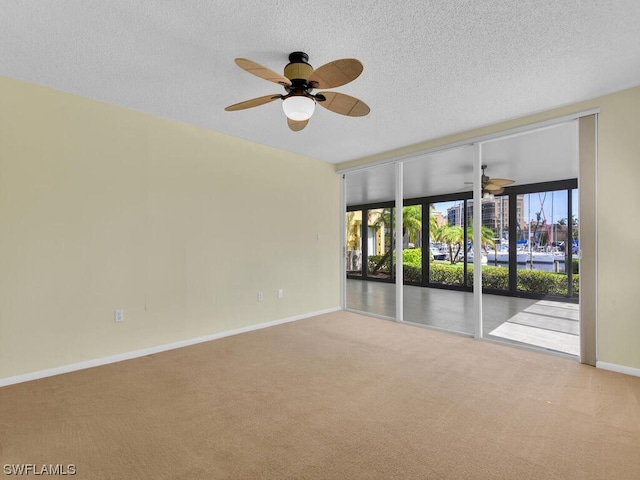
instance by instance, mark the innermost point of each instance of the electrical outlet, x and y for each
(260, 296)
(280, 293)
(119, 316)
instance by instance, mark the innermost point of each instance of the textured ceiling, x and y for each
(432, 68)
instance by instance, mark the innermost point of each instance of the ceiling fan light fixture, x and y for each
(299, 80)
(488, 196)
(298, 107)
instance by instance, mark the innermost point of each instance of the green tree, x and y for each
(453, 237)
(574, 227)
(411, 227)
(353, 232)
(487, 237)
(412, 223)
(433, 223)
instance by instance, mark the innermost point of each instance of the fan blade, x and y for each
(501, 181)
(492, 187)
(262, 72)
(344, 104)
(498, 192)
(336, 73)
(297, 125)
(254, 102)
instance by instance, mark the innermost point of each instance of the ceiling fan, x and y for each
(299, 80)
(492, 186)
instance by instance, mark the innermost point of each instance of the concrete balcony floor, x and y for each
(544, 324)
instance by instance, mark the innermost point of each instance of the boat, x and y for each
(501, 255)
(484, 259)
(546, 257)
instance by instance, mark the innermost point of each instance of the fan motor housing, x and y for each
(298, 67)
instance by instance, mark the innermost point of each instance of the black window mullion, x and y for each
(465, 222)
(391, 244)
(513, 243)
(568, 248)
(426, 235)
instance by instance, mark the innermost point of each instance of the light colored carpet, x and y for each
(339, 396)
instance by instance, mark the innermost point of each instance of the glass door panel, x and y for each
(369, 196)
(538, 315)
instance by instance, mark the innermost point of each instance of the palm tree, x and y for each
(536, 238)
(453, 237)
(411, 227)
(574, 227)
(433, 223)
(487, 237)
(412, 223)
(353, 231)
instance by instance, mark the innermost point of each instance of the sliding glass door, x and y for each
(538, 251)
(525, 257)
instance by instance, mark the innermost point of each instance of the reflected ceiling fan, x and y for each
(299, 80)
(492, 186)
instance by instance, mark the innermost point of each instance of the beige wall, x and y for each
(104, 208)
(618, 207)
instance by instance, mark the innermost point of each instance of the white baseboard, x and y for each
(151, 350)
(618, 368)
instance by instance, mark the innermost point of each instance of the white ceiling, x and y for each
(542, 155)
(432, 68)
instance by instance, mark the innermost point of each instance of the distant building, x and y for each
(495, 214)
(455, 216)
(440, 219)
